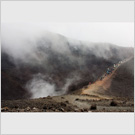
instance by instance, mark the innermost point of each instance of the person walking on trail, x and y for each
(114, 66)
(101, 78)
(108, 71)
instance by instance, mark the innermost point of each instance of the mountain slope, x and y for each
(120, 83)
(54, 65)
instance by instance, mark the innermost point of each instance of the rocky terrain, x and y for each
(106, 95)
(69, 103)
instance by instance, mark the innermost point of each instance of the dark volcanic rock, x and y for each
(122, 84)
(93, 107)
(113, 103)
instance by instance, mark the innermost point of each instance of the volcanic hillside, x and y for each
(54, 65)
(120, 83)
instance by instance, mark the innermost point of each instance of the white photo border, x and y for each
(125, 118)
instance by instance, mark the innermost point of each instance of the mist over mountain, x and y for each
(51, 64)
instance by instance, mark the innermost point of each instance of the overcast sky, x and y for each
(90, 21)
(117, 33)
(121, 34)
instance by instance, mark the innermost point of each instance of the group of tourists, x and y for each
(110, 70)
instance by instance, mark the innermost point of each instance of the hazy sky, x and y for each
(93, 21)
(119, 33)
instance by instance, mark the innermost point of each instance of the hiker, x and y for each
(114, 66)
(108, 71)
(89, 83)
(101, 78)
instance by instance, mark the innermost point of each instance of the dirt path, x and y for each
(100, 86)
(103, 84)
